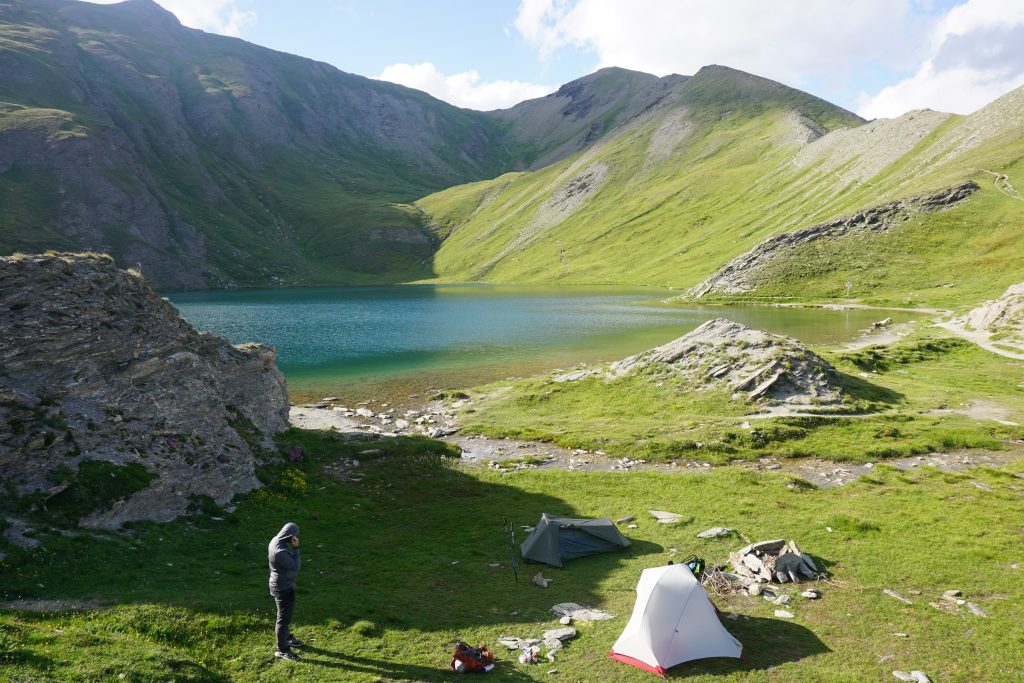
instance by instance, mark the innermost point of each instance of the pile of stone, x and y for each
(779, 560)
(753, 364)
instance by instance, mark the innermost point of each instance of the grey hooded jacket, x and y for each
(284, 560)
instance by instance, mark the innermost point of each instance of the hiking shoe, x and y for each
(290, 656)
(295, 642)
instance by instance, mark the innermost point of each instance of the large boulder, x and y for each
(95, 366)
(753, 363)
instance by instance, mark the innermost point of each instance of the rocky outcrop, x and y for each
(94, 366)
(737, 276)
(1000, 321)
(725, 354)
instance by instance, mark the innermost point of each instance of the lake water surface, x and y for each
(393, 341)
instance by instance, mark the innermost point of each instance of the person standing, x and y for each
(283, 554)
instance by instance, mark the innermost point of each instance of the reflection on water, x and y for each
(362, 342)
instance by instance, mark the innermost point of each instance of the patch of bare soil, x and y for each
(981, 409)
(827, 473)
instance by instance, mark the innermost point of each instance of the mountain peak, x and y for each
(720, 86)
(145, 10)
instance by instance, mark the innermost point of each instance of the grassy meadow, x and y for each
(921, 395)
(396, 566)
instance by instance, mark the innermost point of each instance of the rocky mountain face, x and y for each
(548, 129)
(211, 162)
(741, 274)
(97, 371)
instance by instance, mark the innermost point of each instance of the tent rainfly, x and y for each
(673, 622)
(556, 540)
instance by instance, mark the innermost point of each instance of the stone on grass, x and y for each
(893, 594)
(565, 621)
(560, 634)
(783, 614)
(754, 589)
(812, 594)
(716, 532)
(665, 517)
(920, 677)
(511, 642)
(579, 612)
(976, 610)
(904, 676)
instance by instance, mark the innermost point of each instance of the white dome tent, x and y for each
(673, 621)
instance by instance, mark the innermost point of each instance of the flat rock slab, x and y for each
(893, 594)
(560, 633)
(976, 610)
(579, 612)
(716, 532)
(665, 517)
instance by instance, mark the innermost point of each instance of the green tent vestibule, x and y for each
(555, 540)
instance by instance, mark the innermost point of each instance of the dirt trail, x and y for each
(1002, 183)
(980, 338)
(516, 455)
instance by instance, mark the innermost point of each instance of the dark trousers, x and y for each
(285, 605)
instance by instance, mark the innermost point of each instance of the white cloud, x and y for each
(788, 40)
(976, 54)
(225, 17)
(463, 89)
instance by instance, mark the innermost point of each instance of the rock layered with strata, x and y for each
(739, 275)
(94, 365)
(752, 363)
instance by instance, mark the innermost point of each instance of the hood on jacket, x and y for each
(287, 531)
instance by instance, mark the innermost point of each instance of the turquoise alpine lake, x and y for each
(360, 343)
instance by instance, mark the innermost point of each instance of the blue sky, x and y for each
(876, 57)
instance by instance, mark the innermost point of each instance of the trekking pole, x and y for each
(510, 537)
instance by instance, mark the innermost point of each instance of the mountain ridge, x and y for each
(212, 162)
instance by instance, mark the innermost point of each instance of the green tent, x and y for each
(558, 539)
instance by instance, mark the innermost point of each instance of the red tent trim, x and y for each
(657, 670)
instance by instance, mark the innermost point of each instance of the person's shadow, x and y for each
(395, 670)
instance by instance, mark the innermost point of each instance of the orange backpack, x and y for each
(469, 658)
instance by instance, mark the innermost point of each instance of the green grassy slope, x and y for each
(728, 161)
(396, 567)
(215, 162)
